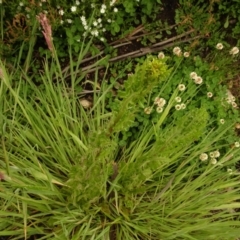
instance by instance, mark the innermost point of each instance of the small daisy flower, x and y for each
(219, 46)
(115, 9)
(211, 154)
(186, 54)
(177, 51)
(102, 39)
(148, 110)
(193, 75)
(161, 55)
(61, 12)
(203, 157)
(21, 4)
(159, 109)
(183, 106)
(99, 20)
(104, 29)
(77, 2)
(102, 10)
(178, 99)
(109, 20)
(213, 161)
(95, 23)
(222, 121)
(209, 94)
(198, 80)
(234, 51)
(216, 154)
(161, 102)
(94, 32)
(234, 105)
(73, 8)
(237, 144)
(181, 87)
(230, 171)
(178, 107)
(69, 21)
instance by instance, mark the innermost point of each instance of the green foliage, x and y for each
(64, 175)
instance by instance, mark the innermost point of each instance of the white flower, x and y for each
(178, 99)
(177, 51)
(234, 105)
(193, 75)
(222, 121)
(237, 144)
(69, 20)
(21, 4)
(211, 154)
(95, 23)
(230, 171)
(198, 80)
(186, 54)
(209, 94)
(178, 107)
(148, 110)
(183, 106)
(102, 39)
(61, 12)
(159, 109)
(219, 46)
(234, 51)
(203, 157)
(181, 87)
(161, 55)
(103, 6)
(94, 32)
(109, 20)
(77, 2)
(102, 10)
(213, 161)
(99, 20)
(73, 8)
(61, 22)
(115, 10)
(104, 29)
(160, 101)
(216, 154)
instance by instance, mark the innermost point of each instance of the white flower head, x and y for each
(213, 161)
(69, 21)
(95, 23)
(178, 107)
(159, 109)
(198, 80)
(181, 87)
(178, 99)
(222, 121)
(183, 106)
(148, 110)
(230, 171)
(115, 9)
(234, 51)
(234, 105)
(177, 51)
(161, 102)
(237, 144)
(77, 2)
(73, 8)
(219, 46)
(61, 12)
(209, 94)
(186, 54)
(216, 154)
(161, 55)
(193, 75)
(203, 157)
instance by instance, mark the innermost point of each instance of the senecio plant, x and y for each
(65, 175)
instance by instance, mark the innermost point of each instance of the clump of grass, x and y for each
(65, 176)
